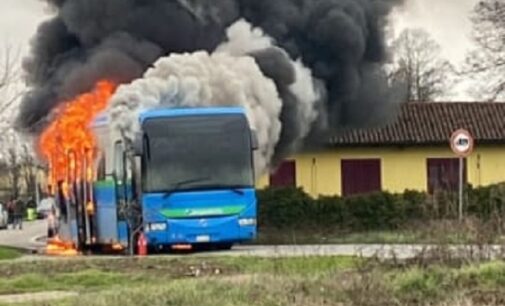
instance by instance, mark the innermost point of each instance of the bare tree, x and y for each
(10, 76)
(29, 170)
(486, 64)
(14, 168)
(418, 66)
(11, 160)
(18, 164)
(10, 91)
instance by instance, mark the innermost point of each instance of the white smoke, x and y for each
(203, 80)
(227, 77)
(307, 96)
(244, 39)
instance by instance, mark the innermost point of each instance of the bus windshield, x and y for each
(197, 153)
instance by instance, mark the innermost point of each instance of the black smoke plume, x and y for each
(341, 41)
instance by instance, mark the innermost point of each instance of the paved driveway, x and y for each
(24, 238)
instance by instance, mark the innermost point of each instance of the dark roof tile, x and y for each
(432, 123)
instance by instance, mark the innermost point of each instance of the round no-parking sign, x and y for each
(462, 143)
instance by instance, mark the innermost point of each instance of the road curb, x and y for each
(34, 240)
(36, 245)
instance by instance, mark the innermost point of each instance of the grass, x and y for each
(434, 283)
(163, 281)
(9, 253)
(86, 275)
(421, 284)
(80, 281)
(230, 281)
(289, 266)
(434, 232)
(184, 292)
(180, 267)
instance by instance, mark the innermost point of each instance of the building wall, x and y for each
(319, 173)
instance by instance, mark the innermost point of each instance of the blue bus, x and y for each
(197, 176)
(187, 180)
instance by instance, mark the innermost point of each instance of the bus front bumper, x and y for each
(199, 231)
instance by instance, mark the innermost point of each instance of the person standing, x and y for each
(10, 212)
(19, 212)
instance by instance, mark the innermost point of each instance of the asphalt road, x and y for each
(26, 239)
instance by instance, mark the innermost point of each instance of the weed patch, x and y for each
(8, 253)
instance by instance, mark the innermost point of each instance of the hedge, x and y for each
(293, 208)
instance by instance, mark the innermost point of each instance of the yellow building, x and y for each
(412, 152)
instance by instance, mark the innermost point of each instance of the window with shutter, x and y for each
(443, 174)
(361, 176)
(285, 176)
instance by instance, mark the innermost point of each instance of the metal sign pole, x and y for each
(462, 144)
(461, 187)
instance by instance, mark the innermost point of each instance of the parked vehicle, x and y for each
(4, 217)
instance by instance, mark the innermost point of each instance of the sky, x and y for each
(19, 20)
(446, 20)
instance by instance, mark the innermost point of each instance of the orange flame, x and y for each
(66, 140)
(90, 176)
(117, 247)
(57, 247)
(90, 208)
(66, 192)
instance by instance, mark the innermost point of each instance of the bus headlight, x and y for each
(157, 227)
(247, 222)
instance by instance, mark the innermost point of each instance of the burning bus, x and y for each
(297, 78)
(186, 180)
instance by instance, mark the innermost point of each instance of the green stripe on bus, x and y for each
(105, 184)
(202, 212)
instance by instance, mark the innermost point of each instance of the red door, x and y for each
(285, 176)
(443, 174)
(361, 176)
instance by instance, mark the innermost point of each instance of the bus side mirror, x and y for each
(254, 140)
(138, 144)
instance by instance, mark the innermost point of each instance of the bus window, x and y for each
(119, 161)
(101, 171)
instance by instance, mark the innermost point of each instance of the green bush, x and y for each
(285, 207)
(293, 208)
(414, 205)
(486, 202)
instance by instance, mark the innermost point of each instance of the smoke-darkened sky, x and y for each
(446, 20)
